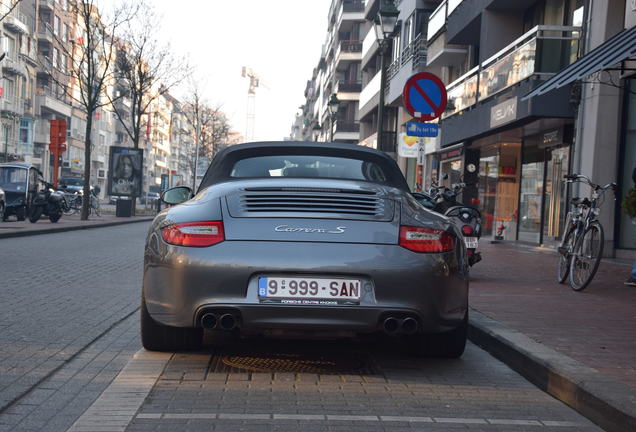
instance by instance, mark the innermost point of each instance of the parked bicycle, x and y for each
(75, 199)
(582, 246)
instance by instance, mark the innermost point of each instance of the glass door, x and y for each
(555, 195)
(531, 194)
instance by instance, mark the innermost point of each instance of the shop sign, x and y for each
(552, 138)
(408, 146)
(503, 113)
(451, 154)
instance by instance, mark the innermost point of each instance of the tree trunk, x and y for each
(87, 167)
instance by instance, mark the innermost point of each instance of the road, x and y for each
(68, 326)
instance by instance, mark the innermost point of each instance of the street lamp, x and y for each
(332, 105)
(384, 25)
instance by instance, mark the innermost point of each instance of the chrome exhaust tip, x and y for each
(409, 325)
(391, 325)
(227, 322)
(209, 321)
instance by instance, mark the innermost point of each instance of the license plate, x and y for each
(471, 242)
(309, 288)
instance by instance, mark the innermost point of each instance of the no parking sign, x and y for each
(424, 96)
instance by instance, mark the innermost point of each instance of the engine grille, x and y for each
(277, 202)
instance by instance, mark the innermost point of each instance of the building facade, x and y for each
(512, 145)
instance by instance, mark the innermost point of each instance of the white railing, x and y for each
(452, 5)
(437, 20)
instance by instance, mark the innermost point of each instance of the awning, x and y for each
(610, 53)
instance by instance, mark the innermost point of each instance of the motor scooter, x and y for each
(47, 202)
(442, 199)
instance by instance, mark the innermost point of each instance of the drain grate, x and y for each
(347, 363)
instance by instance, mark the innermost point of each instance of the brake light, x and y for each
(429, 240)
(467, 230)
(197, 234)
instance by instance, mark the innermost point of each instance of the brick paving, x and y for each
(59, 293)
(207, 391)
(517, 286)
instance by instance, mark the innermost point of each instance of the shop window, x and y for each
(627, 238)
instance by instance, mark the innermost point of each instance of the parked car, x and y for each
(3, 204)
(303, 239)
(20, 184)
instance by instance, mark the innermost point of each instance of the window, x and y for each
(9, 89)
(408, 32)
(56, 54)
(65, 35)
(57, 25)
(308, 167)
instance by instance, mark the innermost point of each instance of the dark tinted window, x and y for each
(307, 166)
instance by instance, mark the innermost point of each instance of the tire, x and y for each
(55, 216)
(565, 256)
(21, 213)
(588, 251)
(2, 217)
(158, 337)
(35, 214)
(449, 344)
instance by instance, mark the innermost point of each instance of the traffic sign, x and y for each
(422, 129)
(424, 96)
(421, 153)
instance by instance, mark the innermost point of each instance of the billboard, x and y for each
(125, 171)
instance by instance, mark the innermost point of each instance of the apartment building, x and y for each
(16, 101)
(337, 74)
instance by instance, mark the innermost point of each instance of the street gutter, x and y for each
(608, 403)
(58, 229)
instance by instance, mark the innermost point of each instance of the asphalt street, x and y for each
(68, 327)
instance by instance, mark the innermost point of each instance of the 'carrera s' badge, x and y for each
(287, 228)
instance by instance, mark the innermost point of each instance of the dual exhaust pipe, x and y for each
(225, 321)
(392, 326)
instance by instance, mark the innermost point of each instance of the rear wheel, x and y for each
(20, 213)
(586, 257)
(35, 214)
(2, 218)
(565, 252)
(159, 337)
(56, 215)
(449, 344)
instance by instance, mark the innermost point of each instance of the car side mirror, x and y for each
(176, 195)
(445, 176)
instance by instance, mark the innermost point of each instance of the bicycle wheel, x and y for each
(586, 257)
(95, 204)
(565, 255)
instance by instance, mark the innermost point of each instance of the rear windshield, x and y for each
(13, 179)
(72, 181)
(309, 167)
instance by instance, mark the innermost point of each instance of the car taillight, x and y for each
(198, 234)
(467, 230)
(425, 239)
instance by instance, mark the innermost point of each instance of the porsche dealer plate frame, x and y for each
(309, 290)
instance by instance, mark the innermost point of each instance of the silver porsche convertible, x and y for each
(303, 239)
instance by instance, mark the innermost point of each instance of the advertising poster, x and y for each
(125, 171)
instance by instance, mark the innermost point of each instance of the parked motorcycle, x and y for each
(48, 202)
(444, 200)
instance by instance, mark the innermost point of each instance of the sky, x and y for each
(280, 40)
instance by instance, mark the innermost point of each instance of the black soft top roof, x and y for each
(222, 164)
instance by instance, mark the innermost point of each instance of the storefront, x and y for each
(627, 225)
(521, 192)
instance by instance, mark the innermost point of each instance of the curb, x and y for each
(608, 403)
(70, 228)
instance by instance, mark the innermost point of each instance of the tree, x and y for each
(211, 127)
(91, 58)
(145, 71)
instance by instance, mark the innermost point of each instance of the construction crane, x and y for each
(255, 82)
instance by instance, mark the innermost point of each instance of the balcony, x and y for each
(14, 107)
(47, 4)
(46, 99)
(369, 47)
(348, 51)
(346, 86)
(10, 65)
(368, 93)
(17, 22)
(45, 34)
(541, 52)
(437, 21)
(350, 10)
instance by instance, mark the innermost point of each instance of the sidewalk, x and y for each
(14, 228)
(516, 287)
